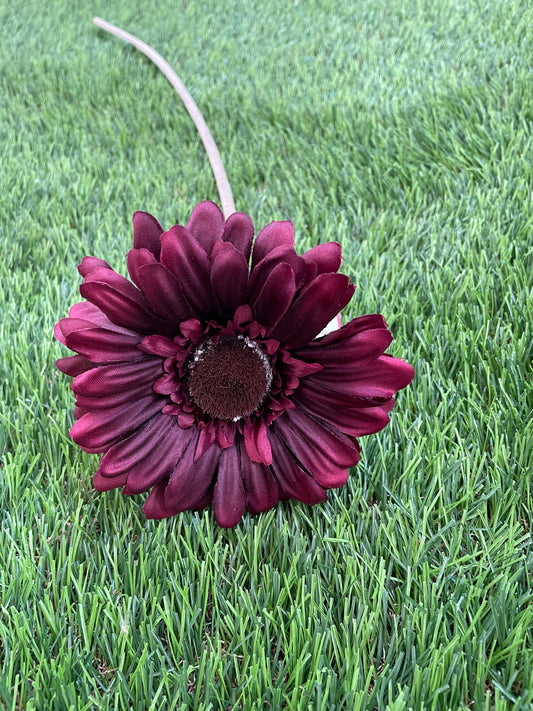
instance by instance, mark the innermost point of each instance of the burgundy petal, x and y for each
(271, 237)
(380, 379)
(183, 255)
(89, 312)
(239, 231)
(74, 365)
(137, 447)
(157, 465)
(110, 379)
(100, 345)
(261, 272)
(154, 506)
(327, 257)
(356, 421)
(354, 352)
(103, 483)
(275, 297)
(159, 345)
(229, 276)
(147, 233)
(89, 264)
(206, 224)
(228, 496)
(137, 258)
(256, 441)
(190, 480)
(121, 302)
(325, 454)
(163, 293)
(313, 309)
(261, 489)
(95, 431)
(292, 479)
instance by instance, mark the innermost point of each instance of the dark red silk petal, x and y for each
(271, 237)
(355, 422)
(327, 257)
(275, 297)
(147, 233)
(239, 231)
(261, 488)
(313, 309)
(137, 258)
(89, 264)
(163, 293)
(324, 454)
(190, 480)
(74, 365)
(158, 464)
(154, 506)
(228, 496)
(96, 431)
(110, 379)
(121, 302)
(261, 272)
(206, 224)
(229, 276)
(356, 351)
(188, 261)
(137, 447)
(379, 379)
(89, 312)
(103, 483)
(292, 479)
(100, 345)
(256, 441)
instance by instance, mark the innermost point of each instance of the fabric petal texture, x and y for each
(206, 380)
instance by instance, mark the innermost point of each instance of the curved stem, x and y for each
(224, 190)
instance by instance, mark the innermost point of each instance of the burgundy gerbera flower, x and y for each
(206, 382)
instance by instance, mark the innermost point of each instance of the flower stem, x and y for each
(221, 179)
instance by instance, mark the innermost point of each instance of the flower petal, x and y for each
(228, 496)
(106, 483)
(100, 345)
(239, 231)
(353, 421)
(73, 365)
(183, 255)
(159, 463)
(274, 235)
(275, 297)
(190, 480)
(229, 276)
(256, 441)
(327, 257)
(137, 258)
(121, 302)
(147, 233)
(381, 378)
(89, 264)
(318, 302)
(260, 486)
(110, 379)
(96, 431)
(325, 454)
(294, 482)
(164, 293)
(206, 224)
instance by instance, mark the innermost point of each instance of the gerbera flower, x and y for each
(205, 380)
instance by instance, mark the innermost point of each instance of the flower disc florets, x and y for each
(206, 380)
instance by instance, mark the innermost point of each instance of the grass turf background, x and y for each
(400, 129)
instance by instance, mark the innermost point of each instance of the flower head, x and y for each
(206, 380)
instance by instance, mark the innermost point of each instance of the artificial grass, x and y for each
(400, 129)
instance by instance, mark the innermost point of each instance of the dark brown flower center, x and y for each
(229, 379)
